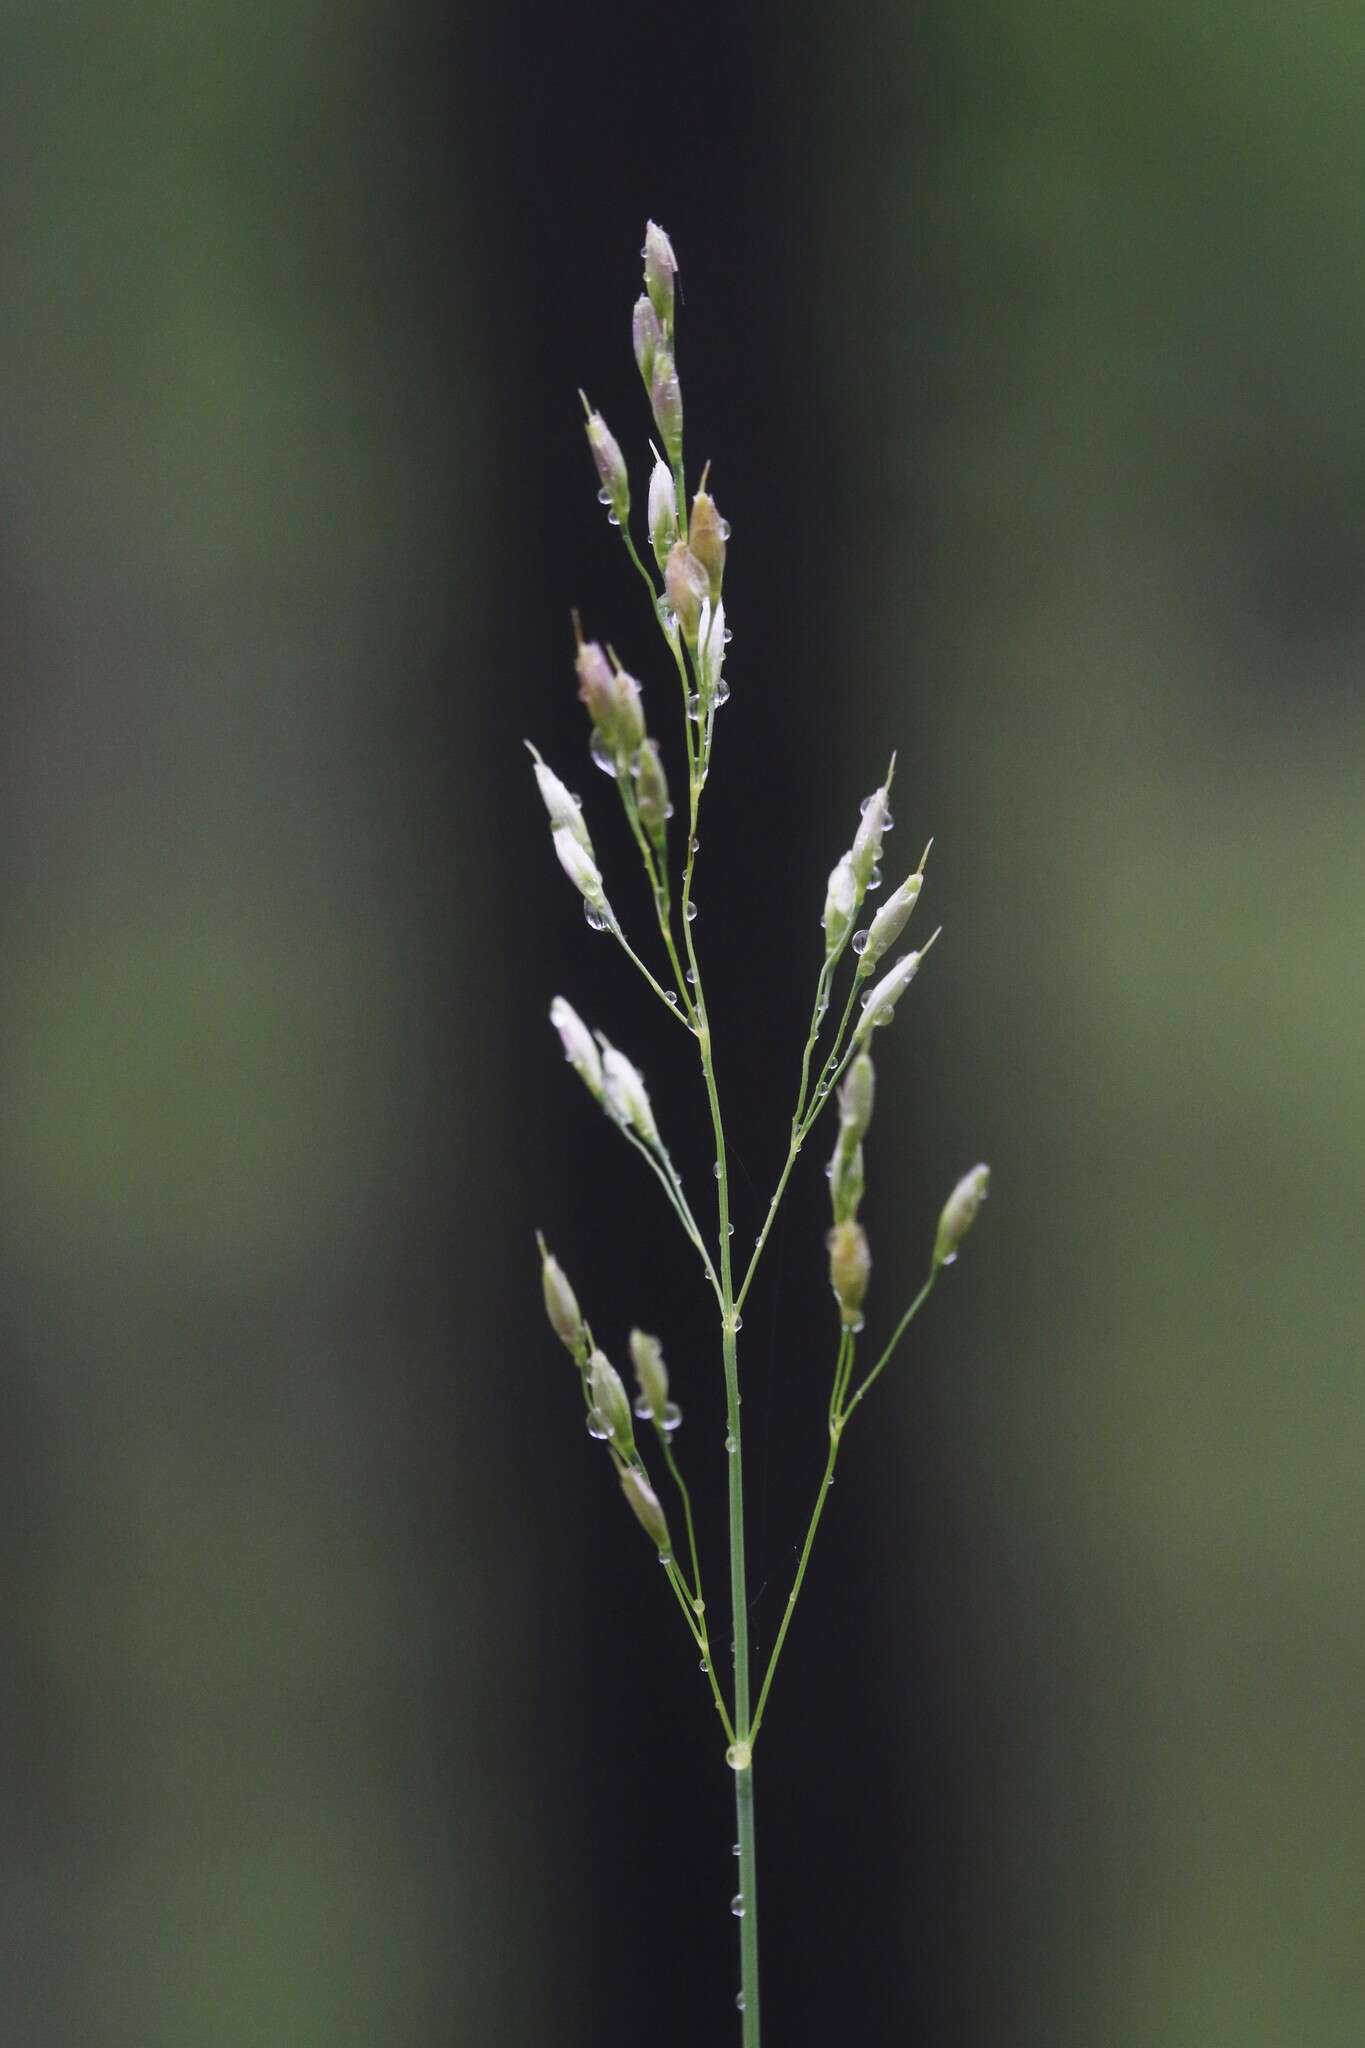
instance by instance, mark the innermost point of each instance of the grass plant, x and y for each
(686, 545)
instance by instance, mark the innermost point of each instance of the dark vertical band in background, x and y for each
(588, 124)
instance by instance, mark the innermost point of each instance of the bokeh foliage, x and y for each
(1109, 575)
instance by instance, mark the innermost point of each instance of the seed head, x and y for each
(890, 921)
(651, 793)
(580, 1047)
(627, 716)
(644, 1505)
(959, 1213)
(663, 508)
(875, 820)
(841, 903)
(646, 334)
(665, 398)
(707, 534)
(710, 644)
(612, 698)
(846, 1176)
(561, 1305)
(856, 1097)
(686, 583)
(611, 464)
(610, 1399)
(886, 993)
(661, 268)
(651, 1373)
(850, 1265)
(596, 683)
(564, 809)
(582, 871)
(626, 1095)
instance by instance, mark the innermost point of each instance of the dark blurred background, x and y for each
(341, 1699)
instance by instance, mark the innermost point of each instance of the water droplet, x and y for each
(694, 706)
(736, 1851)
(642, 1407)
(739, 2001)
(823, 1090)
(739, 1756)
(725, 529)
(874, 880)
(729, 1230)
(612, 519)
(597, 1425)
(737, 1908)
(671, 1418)
(855, 1327)
(738, 1323)
(730, 1444)
(866, 805)
(721, 694)
(668, 810)
(602, 756)
(692, 976)
(604, 496)
(716, 1169)
(948, 1259)
(691, 911)
(888, 823)
(727, 636)
(859, 942)
(594, 918)
(577, 798)
(695, 845)
(671, 996)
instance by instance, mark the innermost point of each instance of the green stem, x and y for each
(832, 1069)
(666, 1447)
(661, 1166)
(658, 988)
(835, 1431)
(695, 1605)
(839, 1414)
(739, 1754)
(739, 1750)
(801, 1124)
(902, 1326)
(680, 493)
(657, 876)
(650, 584)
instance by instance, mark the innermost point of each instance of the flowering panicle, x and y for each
(627, 1097)
(663, 509)
(684, 568)
(580, 1047)
(561, 1305)
(611, 465)
(960, 1213)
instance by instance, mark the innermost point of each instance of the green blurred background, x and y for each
(1030, 342)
